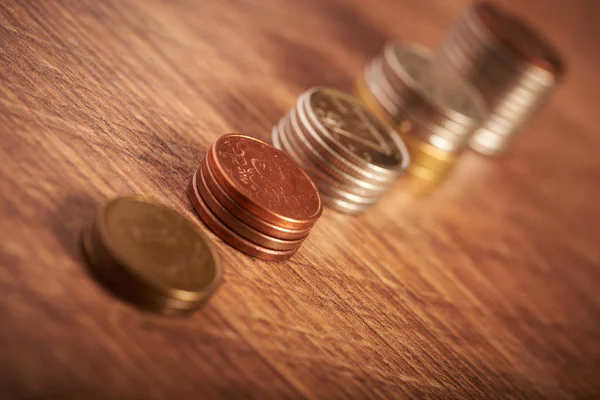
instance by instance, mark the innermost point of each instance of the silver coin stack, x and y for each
(352, 156)
(513, 67)
(434, 109)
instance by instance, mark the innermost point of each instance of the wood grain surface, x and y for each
(486, 288)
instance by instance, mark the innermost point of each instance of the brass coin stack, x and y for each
(513, 67)
(151, 256)
(435, 111)
(254, 197)
(352, 156)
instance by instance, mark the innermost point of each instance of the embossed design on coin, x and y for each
(351, 155)
(267, 180)
(255, 197)
(355, 128)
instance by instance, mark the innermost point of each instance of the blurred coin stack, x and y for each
(513, 67)
(151, 256)
(255, 197)
(434, 110)
(352, 156)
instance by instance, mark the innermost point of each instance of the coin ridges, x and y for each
(509, 62)
(228, 235)
(236, 224)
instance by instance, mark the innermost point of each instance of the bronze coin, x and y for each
(520, 38)
(229, 236)
(265, 181)
(123, 285)
(242, 214)
(237, 225)
(158, 249)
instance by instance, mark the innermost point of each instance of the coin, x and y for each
(355, 133)
(429, 94)
(435, 111)
(345, 206)
(151, 255)
(428, 162)
(295, 135)
(265, 181)
(374, 100)
(509, 63)
(302, 135)
(236, 224)
(228, 235)
(520, 38)
(326, 183)
(326, 157)
(352, 156)
(244, 215)
(316, 167)
(123, 286)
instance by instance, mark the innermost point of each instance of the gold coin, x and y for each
(124, 287)
(152, 254)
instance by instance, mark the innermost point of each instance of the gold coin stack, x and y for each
(513, 67)
(435, 111)
(352, 156)
(152, 257)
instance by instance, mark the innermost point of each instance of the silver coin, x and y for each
(445, 93)
(405, 103)
(313, 136)
(428, 131)
(324, 182)
(300, 135)
(343, 206)
(481, 47)
(356, 133)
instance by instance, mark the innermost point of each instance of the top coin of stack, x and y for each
(434, 110)
(255, 197)
(352, 156)
(151, 256)
(513, 67)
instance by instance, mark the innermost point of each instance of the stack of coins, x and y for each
(255, 197)
(352, 156)
(513, 67)
(434, 110)
(151, 256)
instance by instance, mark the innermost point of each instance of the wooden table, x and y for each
(486, 288)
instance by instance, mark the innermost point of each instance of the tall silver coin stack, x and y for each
(513, 67)
(434, 109)
(352, 156)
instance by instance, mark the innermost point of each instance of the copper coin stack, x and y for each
(513, 67)
(434, 110)
(254, 197)
(151, 256)
(352, 156)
